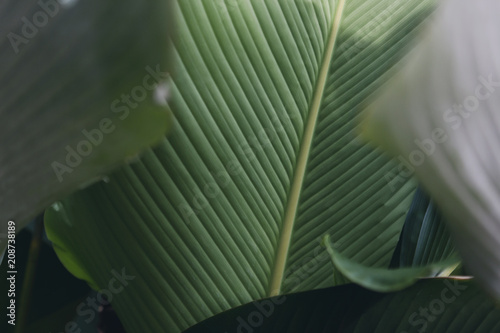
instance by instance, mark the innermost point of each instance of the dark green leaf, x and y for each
(425, 238)
(437, 305)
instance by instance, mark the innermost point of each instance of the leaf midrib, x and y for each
(300, 170)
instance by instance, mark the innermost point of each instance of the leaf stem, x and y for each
(29, 277)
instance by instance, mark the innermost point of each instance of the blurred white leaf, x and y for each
(439, 116)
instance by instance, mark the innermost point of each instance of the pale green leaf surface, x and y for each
(64, 64)
(262, 161)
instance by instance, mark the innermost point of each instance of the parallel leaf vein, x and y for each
(296, 186)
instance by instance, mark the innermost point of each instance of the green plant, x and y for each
(262, 161)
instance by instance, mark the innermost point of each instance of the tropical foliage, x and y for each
(261, 192)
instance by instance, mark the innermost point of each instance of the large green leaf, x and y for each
(261, 163)
(66, 65)
(438, 305)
